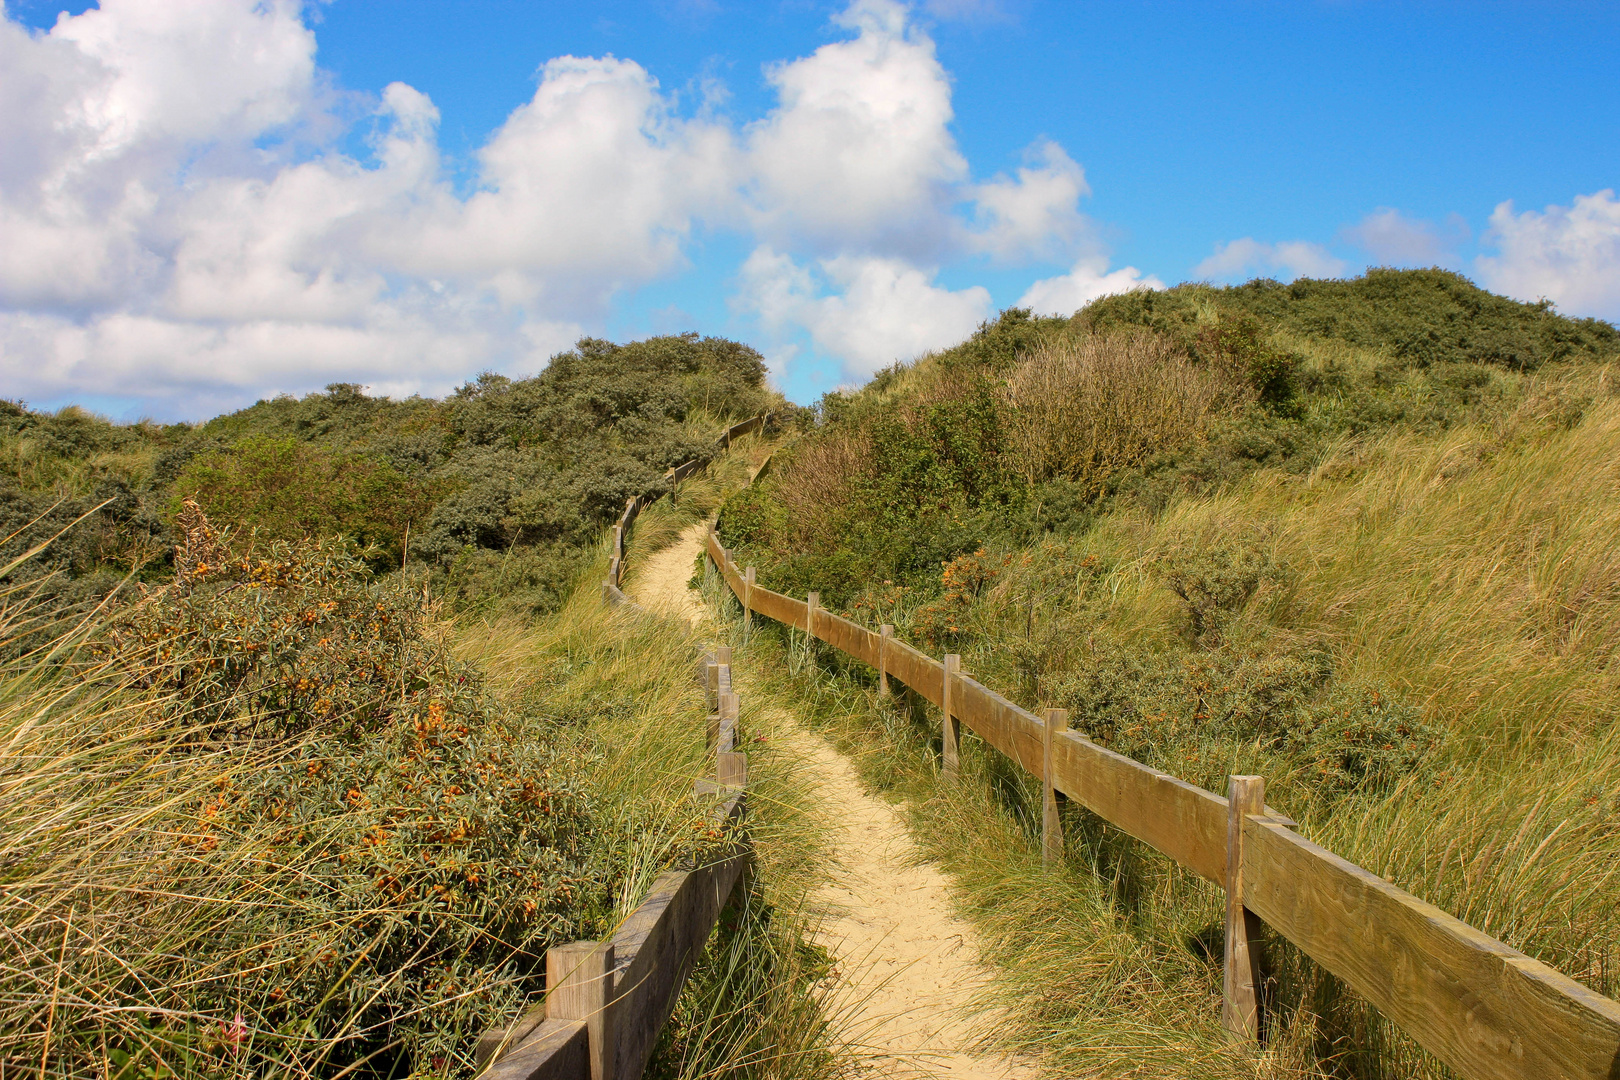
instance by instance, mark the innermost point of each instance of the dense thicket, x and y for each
(1036, 424)
(499, 487)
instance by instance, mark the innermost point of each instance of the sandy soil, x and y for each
(908, 968)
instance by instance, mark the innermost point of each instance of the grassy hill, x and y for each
(1355, 536)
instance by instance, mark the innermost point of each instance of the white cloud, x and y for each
(1394, 239)
(1036, 214)
(1290, 259)
(180, 226)
(883, 310)
(1567, 254)
(161, 243)
(858, 152)
(1089, 280)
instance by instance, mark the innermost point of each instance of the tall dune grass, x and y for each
(1473, 571)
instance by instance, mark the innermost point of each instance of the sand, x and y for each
(908, 969)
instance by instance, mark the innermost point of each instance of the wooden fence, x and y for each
(1483, 1008)
(611, 591)
(606, 1001)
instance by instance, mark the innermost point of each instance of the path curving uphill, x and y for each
(907, 967)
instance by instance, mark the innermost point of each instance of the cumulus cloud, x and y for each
(1090, 279)
(1393, 239)
(1289, 260)
(1567, 254)
(857, 167)
(858, 153)
(869, 310)
(1036, 213)
(182, 228)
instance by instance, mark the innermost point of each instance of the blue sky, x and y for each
(841, 185)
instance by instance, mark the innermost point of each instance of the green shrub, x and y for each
(284, 489)
(384, 869)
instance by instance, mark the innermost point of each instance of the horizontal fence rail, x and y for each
(1485, 1009)
(606, 1001)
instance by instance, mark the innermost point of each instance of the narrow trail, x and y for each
(908, 967)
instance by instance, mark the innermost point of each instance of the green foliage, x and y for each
(1417, 317)
(288, 490)
(507, 480)
(1216, 581)
(433, 846)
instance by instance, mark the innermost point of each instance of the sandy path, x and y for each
(908, 969)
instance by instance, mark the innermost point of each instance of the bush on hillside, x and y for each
(287, 490)
(384, 854)
(1082, 409)
(1418, 317)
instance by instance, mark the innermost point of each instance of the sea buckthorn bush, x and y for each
(353, 851)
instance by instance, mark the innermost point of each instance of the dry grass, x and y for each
(1085, 407)
(1477, 573)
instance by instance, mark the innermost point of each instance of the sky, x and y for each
(208, 202)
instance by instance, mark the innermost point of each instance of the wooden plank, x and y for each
(748, 599)
(924, 675)
(659, 942)
(885, 633)
(849, 637)
(1487, 1010)
(1240, 972)
(579, 986)
(1185, 822)
(726, 736)
(784, 609)
(950, 738)
(1051, 824)
(553, 1050)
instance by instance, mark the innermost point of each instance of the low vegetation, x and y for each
(1352, 536)
(498, 491)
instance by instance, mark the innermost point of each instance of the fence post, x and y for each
(731, 770)
(1240, 998)
(885, 632)
(952, 731)
(730, 707)
(1051, 825)
(812, 605)
(579, 984)
(748, 600)
(719, 690)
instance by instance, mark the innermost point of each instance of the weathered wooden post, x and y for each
(731, 770)
(579, 986)
(812, 606)
(950, 750)
(885, 633)
(1240, 998)
(730, 707)
(748, 600)
(1051, 824)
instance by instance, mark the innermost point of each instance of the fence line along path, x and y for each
(1485, 1009)
(907, 967)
